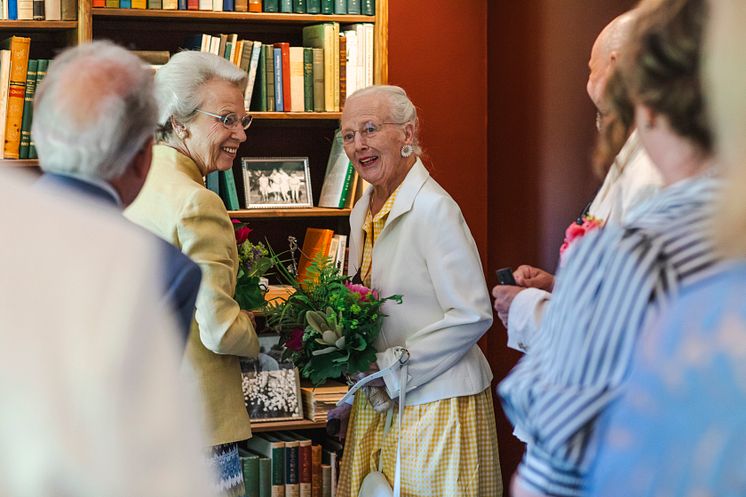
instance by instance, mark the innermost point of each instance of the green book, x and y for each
(346, 186)
(369, 7)
(212, 182)
(28, 108)
(265, 477)
(292, 469)
(274, 449)
(228, 50)
(353, 7)
(327, 6)
(228, 190)
(155, 4)
(313, 6)
(308, 79)
(259, 97)
(299, 6)
(41, 71)
(286, 6)
(271, 6)
(250, 467)
(269, 62)
(340, 7)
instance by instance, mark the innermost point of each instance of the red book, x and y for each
(285, 48)
(192, 4)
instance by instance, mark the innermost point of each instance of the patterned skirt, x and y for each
(226, 465)
(449, 447)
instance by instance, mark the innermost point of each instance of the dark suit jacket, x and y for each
(182, 276)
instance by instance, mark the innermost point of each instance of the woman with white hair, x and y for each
(201, 124)
(408, 237)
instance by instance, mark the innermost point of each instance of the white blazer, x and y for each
(426, 253)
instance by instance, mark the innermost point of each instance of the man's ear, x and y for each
(613, 58)
(143, 158)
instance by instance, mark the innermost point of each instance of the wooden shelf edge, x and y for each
(300, 424)
(335, 116)
(243, 16)
(289, 213)
(19, 163)
(38, 25)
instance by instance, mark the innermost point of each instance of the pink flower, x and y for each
(295, 342)
(577, 231)
(361, 290)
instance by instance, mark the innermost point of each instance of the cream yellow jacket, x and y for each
(426, 253)
(175, 205)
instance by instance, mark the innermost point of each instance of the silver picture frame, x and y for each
(276, 182)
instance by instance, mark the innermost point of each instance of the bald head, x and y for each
(604, 54)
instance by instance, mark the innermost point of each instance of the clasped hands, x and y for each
(377, 396)
(526, 277)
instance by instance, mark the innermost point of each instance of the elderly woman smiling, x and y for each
(408, 237)
(202, 122)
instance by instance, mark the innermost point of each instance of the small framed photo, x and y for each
(271, 389)
(276, 182)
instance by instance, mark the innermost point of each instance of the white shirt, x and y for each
(92, 401)
(631, 180)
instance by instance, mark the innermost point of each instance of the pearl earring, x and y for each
(407, 150)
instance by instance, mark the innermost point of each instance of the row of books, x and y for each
(290, 464)
(39, 10)
(319, 243)
(318, 401)
(329, 7)
(19, 76)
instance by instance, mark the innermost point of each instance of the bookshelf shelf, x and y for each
(19, 163)
(301, 424)
(334, 116)
(231, 16)
(37, 25)
(289, 213)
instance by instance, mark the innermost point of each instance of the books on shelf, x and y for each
(338, 179)
(318, 401)
(320, 242)
(335, 7)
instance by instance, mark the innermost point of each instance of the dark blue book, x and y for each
(12, 10)
(182, 4)
(278, 80)
(353, 7)
(286, 6)
(229, 5)
(369, 7)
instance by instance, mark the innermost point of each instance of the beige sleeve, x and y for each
(206, 235)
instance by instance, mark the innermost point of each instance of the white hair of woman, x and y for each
(94, 125)
(177, 87)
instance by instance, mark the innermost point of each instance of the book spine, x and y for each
(13, 9)
(278, 472)
(242, 5)
(250, 466)
(138, 4)
(304, 464)
(170, 4)
(308, 79)
(41, 71)
(279, 97)
(286, 6)
(327, 7)
(285, 60)
(255, 5)
(155, 4)
(270, 61)
(28, 106)
(127, 4)
(316, 471)
(181, 4)
(353, 7)
(256, 50)
(191, 4)
(297, 81)
(212, 182)
(38, 10)
(69, 10)
(271, 6)
(25, 10)
(259, 98)
(346, 186)
(342, 70)
(231, 193)
(299, 6)
(313, 6)
(292, 472)
(369, 7)
(265, 477)
(19, 51)
(326, 480)
(319, 92)
(340, 7)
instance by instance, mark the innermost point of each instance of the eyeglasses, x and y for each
(367, 130)
(231, 119)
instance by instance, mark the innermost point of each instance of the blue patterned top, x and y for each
(680, 427)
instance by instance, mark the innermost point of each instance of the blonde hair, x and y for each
(725, 73)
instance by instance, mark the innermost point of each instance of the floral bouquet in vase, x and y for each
(329, 325)
(253, 264)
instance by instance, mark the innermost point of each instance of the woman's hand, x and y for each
(336, 420)
(251, 317)
(532, 277)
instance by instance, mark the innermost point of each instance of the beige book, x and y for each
(296, 80)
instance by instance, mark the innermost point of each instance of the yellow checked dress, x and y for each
(449, 447)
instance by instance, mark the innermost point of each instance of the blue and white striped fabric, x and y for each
(614, 281)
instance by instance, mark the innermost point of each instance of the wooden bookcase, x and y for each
(288, 134)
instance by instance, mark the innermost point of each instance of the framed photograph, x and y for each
(276, 182)
(271, 389)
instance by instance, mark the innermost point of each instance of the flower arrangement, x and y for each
(579, 229)
(329, 325)
(253, 263)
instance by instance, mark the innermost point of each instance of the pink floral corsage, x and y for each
(576, 231)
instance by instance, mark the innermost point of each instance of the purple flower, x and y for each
(295, 342)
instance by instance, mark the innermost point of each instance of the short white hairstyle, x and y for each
(401, 108)
(178, 86)
(94, 111)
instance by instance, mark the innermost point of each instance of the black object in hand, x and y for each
(332, 427)
(505, 277)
